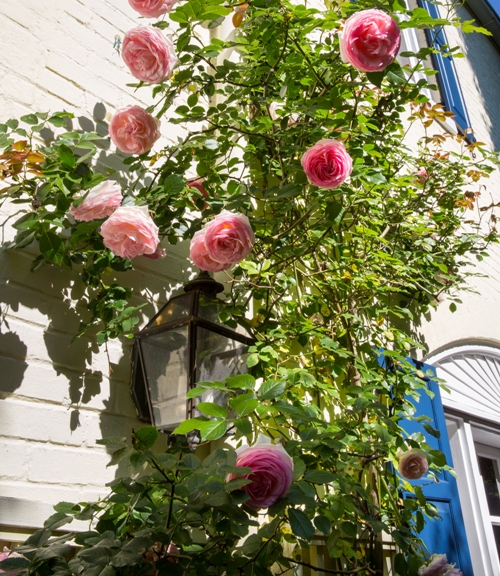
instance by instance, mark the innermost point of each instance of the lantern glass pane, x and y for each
(176, 309)
(209, 309)
(166, 357)
(218, 357)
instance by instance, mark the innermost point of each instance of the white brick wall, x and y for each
(57, 399)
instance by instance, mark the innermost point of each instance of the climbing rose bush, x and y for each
(327, 164)
(272, 473)
(413, 464)
(130, 232)
(133, 130)
(229, 237)
(99, 202)
(200, 257)
(152, 8)
(370, 40)
(149, 55)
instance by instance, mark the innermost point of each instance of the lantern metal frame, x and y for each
(203, 287)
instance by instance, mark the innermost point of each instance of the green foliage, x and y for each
(333, 274)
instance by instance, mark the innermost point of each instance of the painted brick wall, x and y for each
(478, 318)
(58, 398)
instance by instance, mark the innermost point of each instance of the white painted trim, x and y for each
(472, 498)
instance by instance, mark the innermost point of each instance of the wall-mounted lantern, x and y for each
(183, 344)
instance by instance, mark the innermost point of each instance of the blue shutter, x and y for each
(447, 534)
(447, 78)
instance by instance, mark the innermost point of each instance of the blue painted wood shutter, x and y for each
(447, 534)
(447, 78)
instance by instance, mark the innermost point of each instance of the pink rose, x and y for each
(130, 232)
(148, 54)
(413, 464)
(199, 255)
(133, 130)
(370, 40)
(327, 164)
(152, 8)
(272, 473)
(437, 566)
(100, 201)
(229, 237)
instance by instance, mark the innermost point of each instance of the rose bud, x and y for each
(149, 55)
(130, 232)
(413, 464)
(133, 130)
(327, 164)
(99, 202)
(370, 40)
(272, 473)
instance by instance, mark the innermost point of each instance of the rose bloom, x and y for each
(370, 40)
(327, 164)
(130, 232)
(100, 201)
(413, 464)
(133, 130)
(152, 8)
(272, 473)
(229, 237)
(199, 255)
(148, 54)
(437, 566)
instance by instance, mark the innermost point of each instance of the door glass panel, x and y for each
(489, 474)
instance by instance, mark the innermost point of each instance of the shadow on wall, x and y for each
(28, 299)
(12, 356)
(484, 59)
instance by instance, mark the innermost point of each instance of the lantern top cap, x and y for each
(204, 283)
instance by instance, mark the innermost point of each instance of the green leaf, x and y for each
(195, 392)
(30, 119)
(214, 430)
(56, 520)
(212, 409)
(272, 389)
(319, 477)
(322, 524)
(376, 78)
(300, 524)
(244, 425)
(243, 381)
(245, 403)
(66, 155)
(190, 425)
(52, 247)
(190, 461)
(144, 438)
(252, 360)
